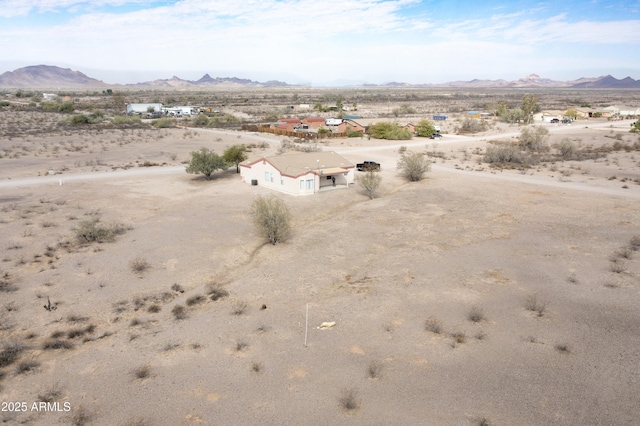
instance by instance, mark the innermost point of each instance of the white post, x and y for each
(306, 326)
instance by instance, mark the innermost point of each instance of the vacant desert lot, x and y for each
(474, 296)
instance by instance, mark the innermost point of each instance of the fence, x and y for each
(302, 135)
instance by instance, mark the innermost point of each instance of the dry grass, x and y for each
(374, 370)
(179, 312)
(534, 304)
(142, 372)
(139, 265)
(349, 400)
(433, 325)
(476, 315)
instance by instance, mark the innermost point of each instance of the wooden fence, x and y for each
(300, 134)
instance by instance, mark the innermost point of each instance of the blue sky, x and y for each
(318, 42)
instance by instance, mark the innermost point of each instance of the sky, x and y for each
(324, 42)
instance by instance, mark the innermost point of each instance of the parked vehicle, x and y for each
(555, 120)
(435, 135)
(368, 165)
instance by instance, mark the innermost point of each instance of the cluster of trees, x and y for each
(523, 114)
(218, 121)
(206, 161)
(532, 142)
(390, 131)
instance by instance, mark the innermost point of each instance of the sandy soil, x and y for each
(475, 295)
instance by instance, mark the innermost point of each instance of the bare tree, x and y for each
(369, 182)
(413, 166)
(272, 218)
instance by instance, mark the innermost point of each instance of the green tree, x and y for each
(151, 109)
(235, 154)
(206, 162)
(571, 113)
(425, 128)
(413, 166)
(635, 127)
(272, 218)
(369, 182)
(390, 131)
(529, 106)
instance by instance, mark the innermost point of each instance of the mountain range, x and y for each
(47, 76)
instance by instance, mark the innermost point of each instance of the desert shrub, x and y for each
(433, 325)
(567, 149)
(413, 166)
(142, 372)
(179, 312)
(4, 103)
(535, 304)
(139, 265)
(240, 308)
(534, 139)
(472, 125)
(206, 162)
(10, 353)
(93, 230)
(226, 120)
(81, 417)
(54, 393)
(563, 348)
(241, 345)
(53, 344)
(27, 366)
(6, 284)
(256, 367)
(504, 153)
(126, 120)
(349, 400)
(216, 292)
(476, 314)
(200, 120)
(634, 243)
(272, 218)
(154, 309)
(195, 300)
(374, 370)
(164, 122)
(458, 338)
(389, 131)
(354, 133)
(370, 182)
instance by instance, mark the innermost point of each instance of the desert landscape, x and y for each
(483, 294)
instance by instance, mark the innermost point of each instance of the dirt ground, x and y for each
(475, 296)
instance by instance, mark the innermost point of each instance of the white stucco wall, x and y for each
(269, 177)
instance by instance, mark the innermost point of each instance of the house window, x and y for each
(281, 180)
(310, 184)
(301, 184)
(271, 177)
(266, 176)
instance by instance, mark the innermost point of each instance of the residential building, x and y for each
(299, 173)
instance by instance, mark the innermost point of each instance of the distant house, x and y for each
(349, 125)
(299, 173)
(288, 124)
(142, 108)
(313, 122)
(410, 127)
(49, 96)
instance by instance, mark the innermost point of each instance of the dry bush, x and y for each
(563, 348)
(349, 400)
(433, 325)
(476, 314)
(634, 243)
(51, 394)
(216, 292)
(142, 372)
(370, 182)
(374, 370)
(534, 304)
(27, 366)
(195, 300)
(179, 312)
(504, 154)
(89, 231)
(139, 265)
(154, 309)
(240, 308)
(10, 353)
(81, 417)
(53, 344)
(272, 218)
(256, 367)
(413, 165)
(458, 338)
(241, 345)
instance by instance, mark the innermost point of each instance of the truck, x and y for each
(368, 165)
